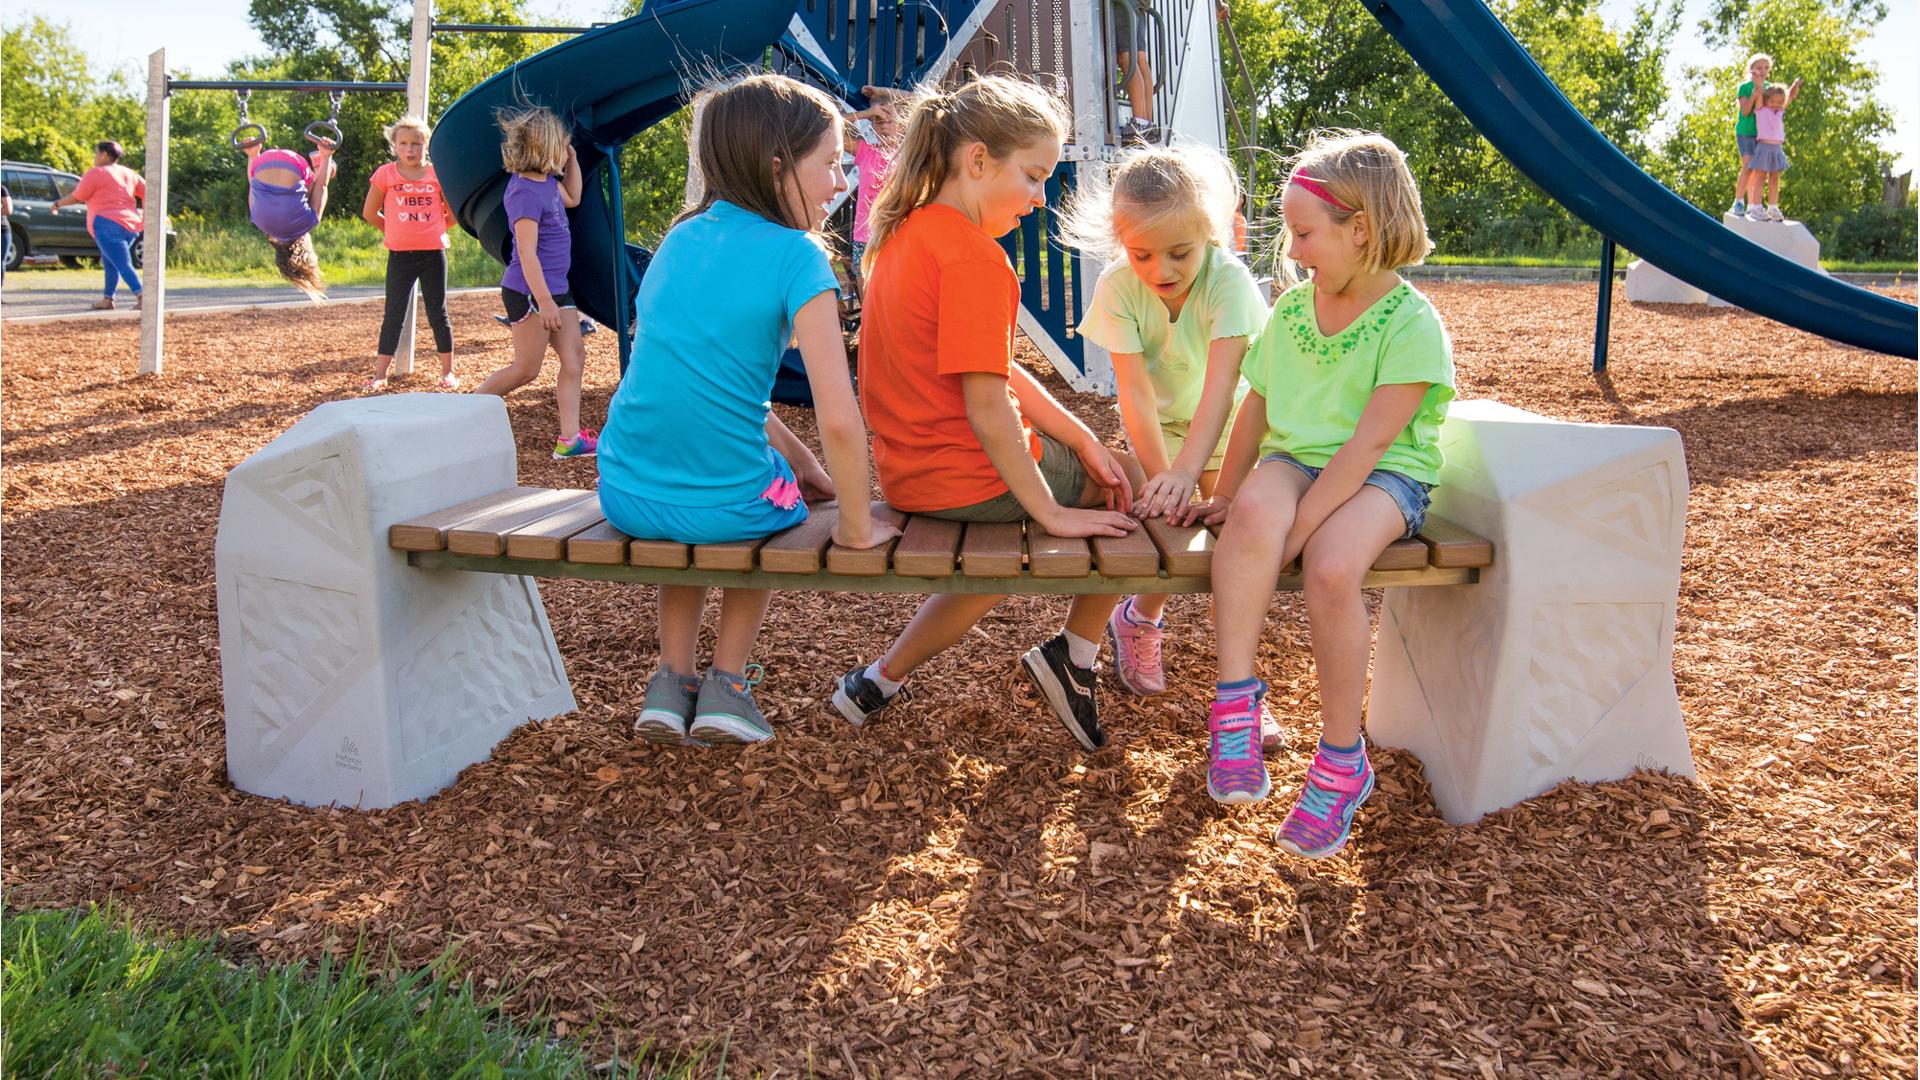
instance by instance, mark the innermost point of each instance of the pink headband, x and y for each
(1318, 190)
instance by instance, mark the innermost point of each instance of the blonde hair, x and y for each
(1368, 174)
(1774, 90)
(533, 138)
(1192, 185)
(300, 265)
(1756, 58)
(999, 111)
(406, 123)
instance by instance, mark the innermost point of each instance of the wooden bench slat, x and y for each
(991, 549)
(803, 548)
(928, 547)
(664, 554)
(731, 555)
(1132, 555)
(1050, 556)
(547, 538)
(601, 544)
(870, 562)
(1186, 549)
(429, 533)
(1453, 547)
(1402, 555)
(486, 534)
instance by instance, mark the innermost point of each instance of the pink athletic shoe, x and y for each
(1236, 772)
(1136, 650)
(1320, 820)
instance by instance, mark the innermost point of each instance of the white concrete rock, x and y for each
(1558, 663)
(350, 677)
(1792, 240)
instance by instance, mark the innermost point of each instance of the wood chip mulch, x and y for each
(955, 891)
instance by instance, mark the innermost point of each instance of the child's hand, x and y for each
(1066, 521)
(573, 161)
(877, 533)
(549, 319)
(1209, 513)
(815, 485)
(1165, 493)
(1104, 469)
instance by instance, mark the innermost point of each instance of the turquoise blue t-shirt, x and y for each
(714, 315)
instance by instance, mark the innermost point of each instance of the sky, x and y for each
(121, 33)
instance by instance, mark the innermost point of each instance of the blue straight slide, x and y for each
(609, 85)
(1474, 60)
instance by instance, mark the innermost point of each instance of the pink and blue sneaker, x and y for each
(1236, 770)
(1337, 783)
(586, 443)
(1136, 650)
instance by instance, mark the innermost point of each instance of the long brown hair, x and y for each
(300, 265)
(1001, 112)
(745, 126)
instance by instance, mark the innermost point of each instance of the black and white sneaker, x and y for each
(1068, 689)
(858, 697)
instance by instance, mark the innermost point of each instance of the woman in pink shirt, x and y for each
(112, 193)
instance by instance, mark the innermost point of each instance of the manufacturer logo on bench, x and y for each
(348, 756)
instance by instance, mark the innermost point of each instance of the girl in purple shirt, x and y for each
(534, 146)
(285, 198)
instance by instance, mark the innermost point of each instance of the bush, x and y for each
(1876, 233)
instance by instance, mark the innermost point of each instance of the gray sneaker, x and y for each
(667, 709)
(726, 712)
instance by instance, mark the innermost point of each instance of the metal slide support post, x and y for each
(417, 73)
(1604, 315)
(153, 306)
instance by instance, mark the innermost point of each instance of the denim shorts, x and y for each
(1064, 472)
(777, 509)
(1746, 143)
(1408, 494)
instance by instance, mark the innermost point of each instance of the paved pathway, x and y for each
(29, 305)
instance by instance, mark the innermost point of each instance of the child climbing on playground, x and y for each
(537, 148)
(1770, 153)
(692, 451)
(1350, 382)
(405, 203)
(1176, 310)
(960, 431)
(286, 196)
(873, 157)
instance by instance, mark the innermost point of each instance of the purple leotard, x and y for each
(283, 213)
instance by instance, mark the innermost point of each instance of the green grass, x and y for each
(87, 996)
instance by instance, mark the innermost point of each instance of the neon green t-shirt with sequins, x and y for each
(1316, 385)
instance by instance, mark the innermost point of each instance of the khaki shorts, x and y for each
(1174, 434)
(1061, 468)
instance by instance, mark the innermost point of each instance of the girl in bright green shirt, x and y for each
(1350, 382)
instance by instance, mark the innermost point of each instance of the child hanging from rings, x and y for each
(286, 194)
(537, 148)
(405, 203)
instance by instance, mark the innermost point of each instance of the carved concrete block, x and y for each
(351, 677)
(1648, 284)
(1558, 663)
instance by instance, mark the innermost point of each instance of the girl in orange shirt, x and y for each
(405, 203)
(960, 431)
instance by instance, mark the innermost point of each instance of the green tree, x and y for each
(54, 104)
(1833, 129)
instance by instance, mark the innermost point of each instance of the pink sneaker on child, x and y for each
(1136, 650)
(1321, 819)
(584, 444)
(1236, 772)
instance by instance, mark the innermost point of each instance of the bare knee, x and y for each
(1332, 575)
(1262, 514)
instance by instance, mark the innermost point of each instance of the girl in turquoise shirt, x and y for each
(692, 450)
(1349, 383)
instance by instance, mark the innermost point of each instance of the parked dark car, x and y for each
(39, 229)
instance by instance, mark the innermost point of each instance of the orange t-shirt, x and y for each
(941, 302)
(415, 212)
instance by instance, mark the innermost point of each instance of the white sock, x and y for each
(1079, 650)
(887, 686)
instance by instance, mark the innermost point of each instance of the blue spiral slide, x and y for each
(1470, 55)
